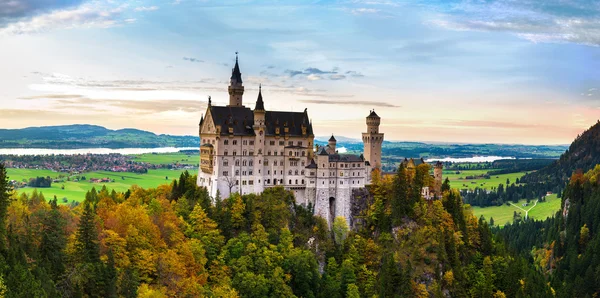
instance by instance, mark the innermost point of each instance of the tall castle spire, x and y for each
(236, 89)
(260, 105)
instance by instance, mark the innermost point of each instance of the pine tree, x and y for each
(87, 236)
(4, 202)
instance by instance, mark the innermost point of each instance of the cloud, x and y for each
(91, 15)
(355, 74)
(52, 96)
(138, 106)
(146, 8)
(350, 103)
(192, 59)
(362, 10)
(337, 77)
(313, 77)
(552, 21)
(13, 9)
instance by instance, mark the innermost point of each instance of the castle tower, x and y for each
(236, 89)
(332, 143)
(259, 141)
(372, 140)
(437, 176)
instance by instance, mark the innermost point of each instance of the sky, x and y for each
(470, 71)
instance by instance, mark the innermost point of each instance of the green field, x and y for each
(458, 181)
(168, 158)
(504, 214)
(75, 191)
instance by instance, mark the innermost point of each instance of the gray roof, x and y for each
(312, 164)
(236, 75)
(373, 114)
(345, 158)
(260, 105)
(242, 120)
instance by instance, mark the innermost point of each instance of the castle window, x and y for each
(296, 181)
(235, 142)
(291, 143)
(290, 182)
(275, 153)
(234, 153)
(225, 173)
(251, 153)
(296, 172)
(275, 163)
(302, 163)
(259, 151)
(299, 143)
(250, 173)
(213, 141)
(237, 182)
(268, 172)
(244, 153)
(312, 173)
(290, 172)
(272, 143)
(244, 163)
(225, 163)
(269, 153)
(281, 153)
(302, 172)
(274, 181)
(303, 181)
(281, 180)
(237, 163)
(323, 182)
(268, 181)
(281, 143)
(243, 182)
(266, 163)
(243, 173)
(245, 142)
(341, 182)
(226, 142)
(251, 143)
(225, 153)
(251, 163)
(290, 153)
(303, 153)
(251, 182)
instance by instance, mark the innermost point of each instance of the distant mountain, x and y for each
(339, 139)
(583, 154)
(89, 136)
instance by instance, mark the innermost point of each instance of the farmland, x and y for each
(504, 214)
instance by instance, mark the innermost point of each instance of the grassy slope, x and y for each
(504, 214)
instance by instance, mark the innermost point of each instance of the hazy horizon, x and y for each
(493, 72)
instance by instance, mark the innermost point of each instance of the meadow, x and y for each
(504, 214)
(458, 181)
(75, 191)
(168, 158)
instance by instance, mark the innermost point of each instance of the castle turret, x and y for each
(331, 144)
(372, 140)
(259, 139)
(236, 89)
(437, 176)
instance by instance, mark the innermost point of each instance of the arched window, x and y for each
(226, 142)
(302, 181)
(290, 172)
(237, 163)
(244, 163)
(251, 163)
(290, 153)
(290, 181)
(237, 172)
(225, 162)
(303, 153)
(296, 181)
(296, 173)
(302, 172)
(225, 152)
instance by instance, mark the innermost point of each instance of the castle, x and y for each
(244, 150)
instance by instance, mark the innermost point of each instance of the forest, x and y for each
(565, 247)
(175, 241)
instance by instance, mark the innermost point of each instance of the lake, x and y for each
(470, 159)
(124, 151)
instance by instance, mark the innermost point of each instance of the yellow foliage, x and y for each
(419, 290)
(449, 278)
(499, 294)
(145, 291)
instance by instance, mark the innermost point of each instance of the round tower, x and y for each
(372, 141)
(437, 176)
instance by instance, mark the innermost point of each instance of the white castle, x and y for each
(246, 151)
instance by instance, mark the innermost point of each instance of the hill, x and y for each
(583, 154)
(89, 136)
